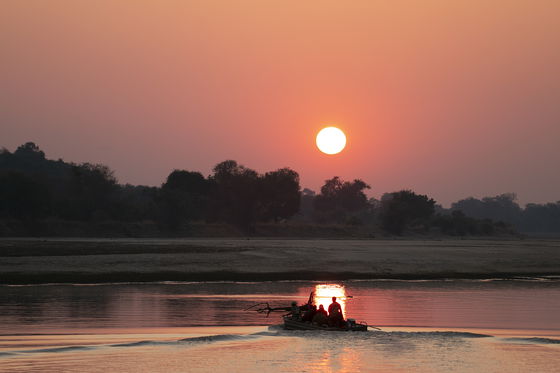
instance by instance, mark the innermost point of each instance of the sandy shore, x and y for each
(89, 260)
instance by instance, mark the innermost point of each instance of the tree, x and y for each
(280, 194)
(307, 199)
(235, 195)
(137, 203)
(21, 197)
(502, 207)
(339, 199)
(400, 209)
(24, 199)
(91, 191)
(541, 218)
(183, 197)
(30, 151)
(76, 191)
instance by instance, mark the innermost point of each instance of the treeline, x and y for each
(34, 189)
(396, 213)
(534, 218)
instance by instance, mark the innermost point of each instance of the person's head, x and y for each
(334, 299)
(321, 307)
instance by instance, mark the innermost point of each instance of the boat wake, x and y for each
(536, 340)
(380, 337)
(181, 342)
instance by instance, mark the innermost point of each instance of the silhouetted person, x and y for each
(320, 317)
(296, 313)
(335, 313)
(310, 313)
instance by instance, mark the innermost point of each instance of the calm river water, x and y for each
(426, 326)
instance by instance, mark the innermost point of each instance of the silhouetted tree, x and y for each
(183, 198)
(280, 194)
(235, 195)
(136, 203)
(30, 150)
(340, 199)
(92, 189)
(400, 209)
(500, 208)
(541, 218)
(30, 160)
(23, 198)
(306, 211)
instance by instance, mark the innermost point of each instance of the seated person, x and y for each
(335, 314)
(295, 311)
(308, 315)
(320, 317)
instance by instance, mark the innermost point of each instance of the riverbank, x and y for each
(55, 228)
(32, 261)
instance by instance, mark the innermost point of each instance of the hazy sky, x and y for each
(448, 98)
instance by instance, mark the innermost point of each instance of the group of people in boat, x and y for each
(310, 313)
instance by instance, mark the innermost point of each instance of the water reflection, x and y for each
(72, 311)
(324, 294)
(30, 309)
(344, 360)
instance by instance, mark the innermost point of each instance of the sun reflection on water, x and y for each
(324, 294)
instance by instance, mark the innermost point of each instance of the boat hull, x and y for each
(291, 324)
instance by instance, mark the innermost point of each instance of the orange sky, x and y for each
(448, 98)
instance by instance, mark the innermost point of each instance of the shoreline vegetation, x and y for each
(56, 228)
(41, 261)
(41, 197)
(334, 235)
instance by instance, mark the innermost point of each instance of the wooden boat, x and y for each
(292, 322)
(351, 326)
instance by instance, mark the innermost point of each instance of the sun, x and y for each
(331, 140)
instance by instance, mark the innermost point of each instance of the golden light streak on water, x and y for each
(324, 294)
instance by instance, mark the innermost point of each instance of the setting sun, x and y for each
(331, 140)
(324, 294)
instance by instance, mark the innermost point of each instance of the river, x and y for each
(424, 326)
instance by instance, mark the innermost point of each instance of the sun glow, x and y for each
(331, 140)
(324, 294)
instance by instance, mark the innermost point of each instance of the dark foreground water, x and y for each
(427, 326)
